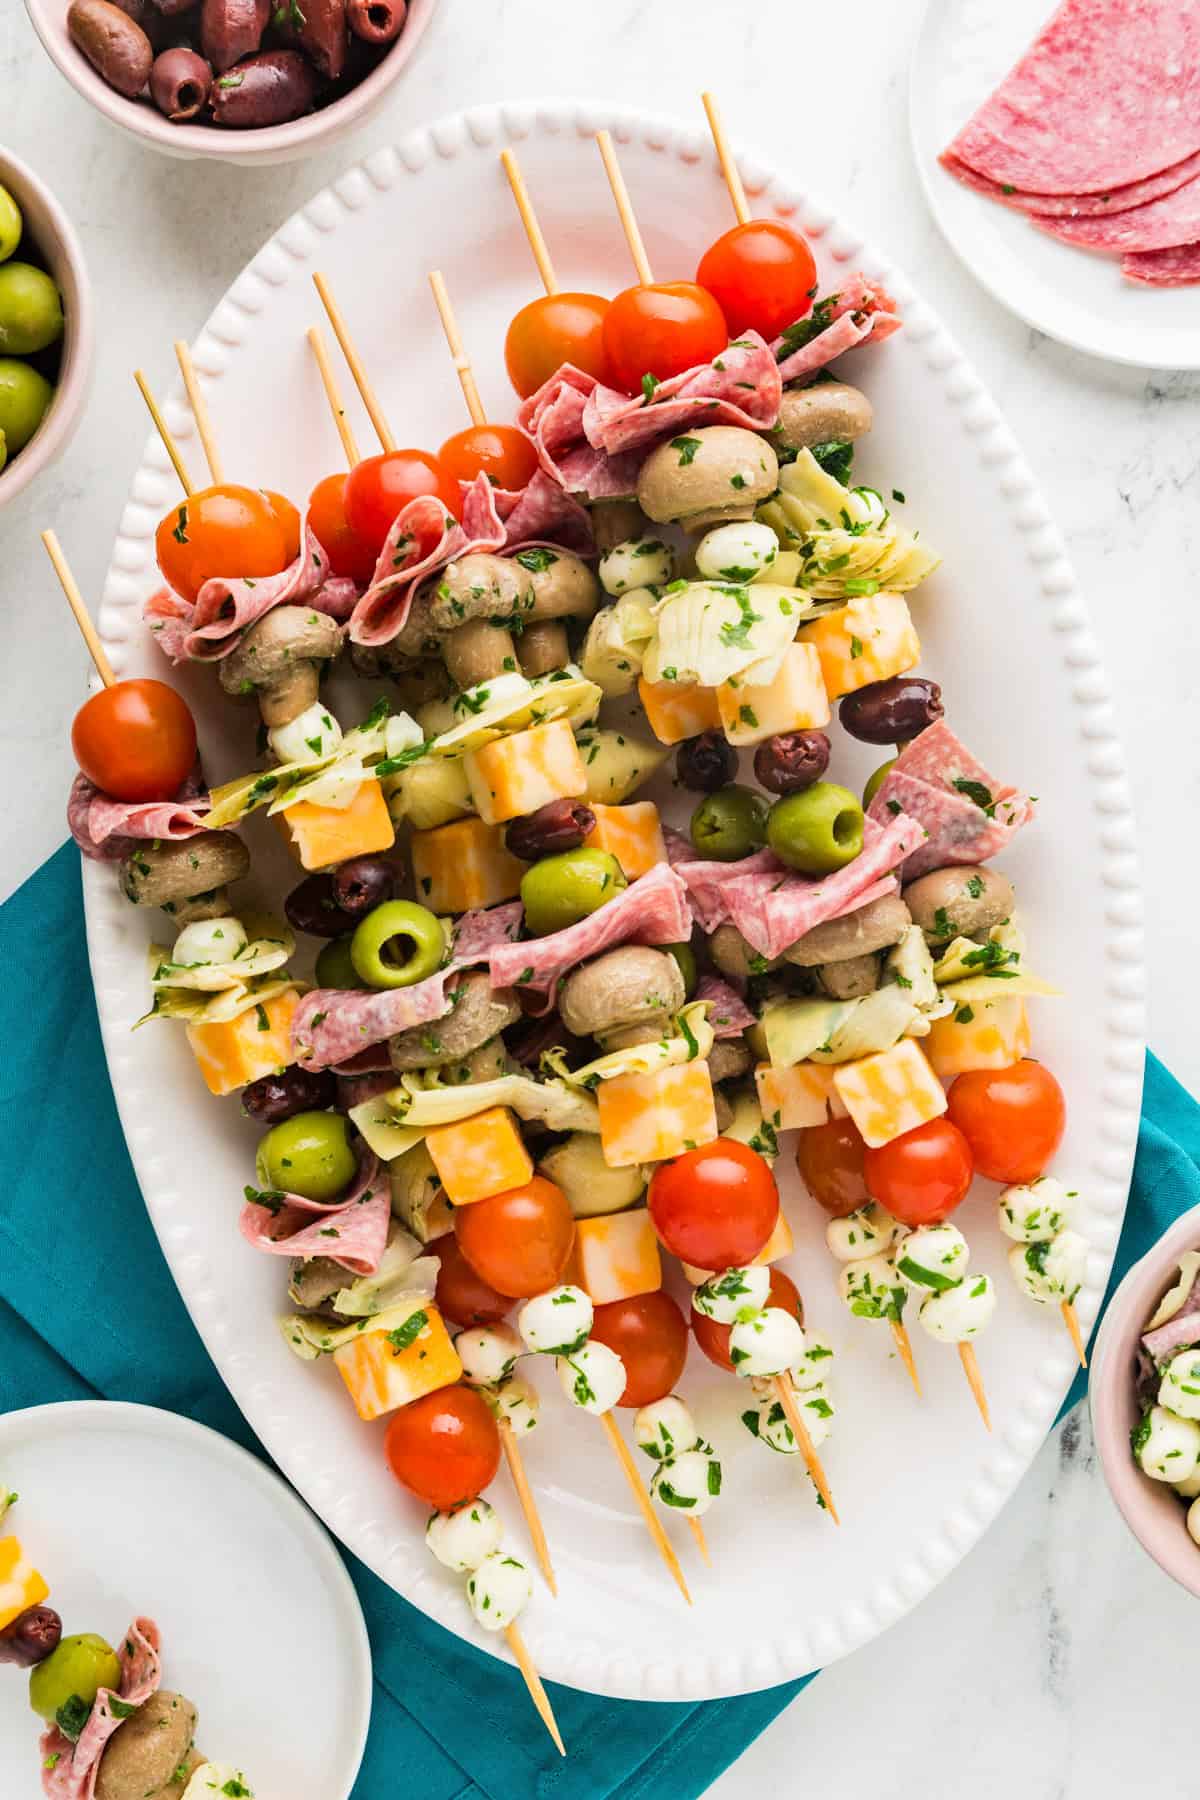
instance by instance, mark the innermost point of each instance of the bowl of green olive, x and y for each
(46, 330)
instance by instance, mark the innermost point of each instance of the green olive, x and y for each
(817, 830)
(560, 890)
(685, 956)
(31, 315)
(308, 1154)
(334, 967)
(875, 781)
(730, 824)
(398, 943)
(77, 1669)
(10, 224)
(24, 399)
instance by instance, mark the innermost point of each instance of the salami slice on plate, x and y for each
(1162, 225)
(1075, 206)
(1177, 267)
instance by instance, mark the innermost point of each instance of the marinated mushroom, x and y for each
(182, 870)
(542, 647)
(733, 956)
(875, 926)
(563, 585)
(826, 413)
(716, 473)
(480, 1013)
(727, 1059)
(633, 985)
(279, 659)
(487, 1063)
(478, 652)
(959, 902)
(615, 520)
(141, 1759)
(850, 979)
(722, 1111)
(480, 586)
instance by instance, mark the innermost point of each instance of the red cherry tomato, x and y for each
(289, 522)
(347, 554)
(445, 1447)
(501, 452)
(713, 1339)
(221, 531)
(378, 487)
(552, 330)
(520, 1242)
(136, 740)
(715, 1206)
(661, 330)
(830, 1160)
(921, 1176)
(1013, 1119)
(762, 276)
(462, 1295)
(649, 1334)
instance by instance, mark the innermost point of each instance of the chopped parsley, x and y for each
(408, 1333)
(687, 448)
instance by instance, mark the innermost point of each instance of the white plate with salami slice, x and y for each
(1007, 635)
(964, 49)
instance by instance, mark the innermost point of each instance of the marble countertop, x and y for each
(1019, 1673)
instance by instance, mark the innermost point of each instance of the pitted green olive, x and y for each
(561, 890)
(398, 944)
(308, 1154)
(817, 830)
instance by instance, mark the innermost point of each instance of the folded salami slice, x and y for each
(706, 882)
(106, 830)
(1178, 267)
(772, 908)
(968, 815)
(728, 1013)
(69, 1770)
(741, 386)
(351, 1232)
(544, 513)
(1076, 206)
(862, 311)
(1162, 225)
(424, 538)
(224, 607)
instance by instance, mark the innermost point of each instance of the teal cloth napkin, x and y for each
(76, 1244)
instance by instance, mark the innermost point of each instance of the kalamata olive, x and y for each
(891, 712)
(30, 1637)
(313, 907)
(180, 82)
(791, 760)
(527, 1042)
(706, 763)
(376, 21)
(362, 883)
(115, 45)
(274, 1098)
(269, 89)
(559, 825)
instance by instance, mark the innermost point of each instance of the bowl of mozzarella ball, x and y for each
(1144, 1392)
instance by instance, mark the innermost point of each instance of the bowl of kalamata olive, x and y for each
(247, 81)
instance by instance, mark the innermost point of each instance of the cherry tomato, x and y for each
(347, 554)
(445, 1447)
(762, 276)
(1013, 1119)
(221, 531)
(921, 1176)
(649, 1334)
(501, 452)
(715, 1206)
(713, 1339)
(661, 330)
(520, 1242)
(136, 740)
(462, 1295)
(378, 487)
(552, 330)
(830, 1160)
(289, 522)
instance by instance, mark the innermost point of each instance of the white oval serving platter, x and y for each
(1005, 632)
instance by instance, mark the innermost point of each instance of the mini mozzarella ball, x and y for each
(767, 1421)
(311, 736)
(209, 941)
(488, 1354)
(862, 1233)
(498, 1590)
(1050, 1272)
(871, 1288)
(1180, 1386)
(727, 1296)
(592, 1377)
(960, 1312)
(1166, 1447)
(463, 1538)
(556, 1322)
(866, 507)
(689, 1482)
(665, 1428)
(1034, 1212)
(766, 1343)
(932, 1256)
(636, 563)
(813, 1366)
(736, 552)
(517, 1404)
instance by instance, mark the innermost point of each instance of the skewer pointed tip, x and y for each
(697, 1531)
(533, 1681)
(654, 1524)
(1071, 1320)
(970, 1363)
(905, 1349)
(786, 1394)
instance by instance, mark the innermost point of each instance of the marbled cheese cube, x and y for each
(795, 701)
(480, 1156)
(980, 1034)
(646, 1118)
(320, 836)
(234, 1052)
(633, 834)
(794, 1097)
(889, 1093)
(386, 1369)
(616, 1256)
(677, 709)
(465, 865)
(515, 775)
(869, 639)
(20, 1583)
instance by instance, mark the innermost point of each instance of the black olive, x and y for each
(791, 760)
(706, 763)
(274, 1098)
(893, 711)
(362, 883)
(30, 1637)
(559, 825)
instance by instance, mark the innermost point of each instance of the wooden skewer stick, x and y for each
(533, 1519)
(76, 602)
(904, 1346)
(1071, 1320)
(529, 219)
(785, 1393)
(160, 425)
(533, 1682)
(317, 345)
(697, 1531)
(725, 157)
(653, 1522)
(620, 193)
(354, 362)
(199, 408)
(970, 1363)
(462, 361)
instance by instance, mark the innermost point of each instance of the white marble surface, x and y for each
(1052, 1658)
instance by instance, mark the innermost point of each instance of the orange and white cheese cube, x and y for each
(869, 639)
(386, 1369)
(980, 1034)
(889, 1093)
(795, 701)
(633, 834)
(515, 775)
(617, 1256)
(780, 1243)
(322, 835)
(464, 865)
(20, 1583)
(234, 1052)
(678, 709)
(480, 1156)
(646, 1118)
(796, 1097)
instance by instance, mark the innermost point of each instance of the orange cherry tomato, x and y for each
(921, 1176)
(462, 1295)
(830, 1160)
(649, 1334)
(501, 452)
(713, 1339)
(136, 740)
(378, 488)
(762, 276)
(715, 1206)
(347, 554)
(444, 1447)
(520, 1242)
(1013, 1119)
(661, 330)
(224, 531)
(289, 521)
(552, 330)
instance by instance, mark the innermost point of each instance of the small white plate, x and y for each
(964, 49)
(128, 1510)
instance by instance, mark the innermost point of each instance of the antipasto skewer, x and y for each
(489, 1354)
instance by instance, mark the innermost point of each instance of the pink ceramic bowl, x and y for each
(272, 144)
(1153, 1512)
